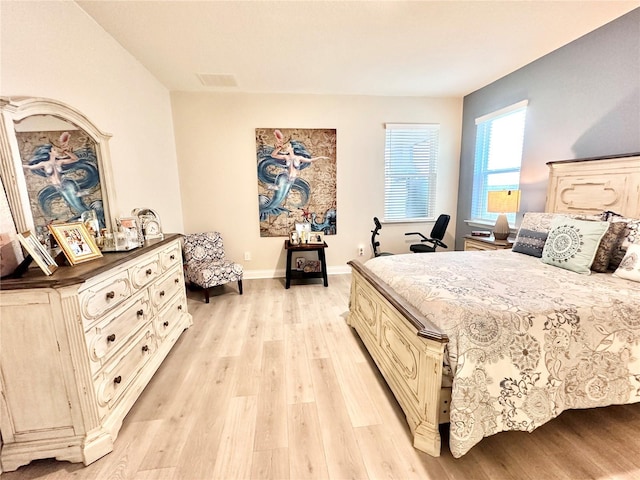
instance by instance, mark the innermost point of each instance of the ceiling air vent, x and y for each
(217, 80)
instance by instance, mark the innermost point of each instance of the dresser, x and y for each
(472, 243)
(78, 347)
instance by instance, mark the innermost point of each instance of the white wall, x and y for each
(215, 139)
(53, 49)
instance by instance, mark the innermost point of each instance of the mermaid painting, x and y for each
(285, 193)
(65, 181)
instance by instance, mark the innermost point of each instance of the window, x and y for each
(410, 161)
(499, 138)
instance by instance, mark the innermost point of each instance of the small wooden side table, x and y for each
(306, 247)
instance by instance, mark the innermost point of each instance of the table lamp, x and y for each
(503, 202)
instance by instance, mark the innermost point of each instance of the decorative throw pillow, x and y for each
(630, 266)
(530, 242)
(609, 243)
(630, 235)
(572, 244)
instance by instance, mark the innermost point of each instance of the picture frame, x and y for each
(38, 252)
(76, 242)
(316, 238)
(303, 228)
(300, 261)
(294, 238)
(133, 228)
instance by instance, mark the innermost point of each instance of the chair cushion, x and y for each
(211, 273)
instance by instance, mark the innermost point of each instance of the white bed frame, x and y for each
(408, 349)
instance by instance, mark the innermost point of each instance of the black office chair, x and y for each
(437, 234)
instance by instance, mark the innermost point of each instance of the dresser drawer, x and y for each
(171, 256)
(165, 288)
(104, 296)
(111, 334)
(113, 380)
(145, 272)
(170, 315)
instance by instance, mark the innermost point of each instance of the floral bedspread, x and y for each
(526, 340)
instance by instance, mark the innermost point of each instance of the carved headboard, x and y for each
(595, 185)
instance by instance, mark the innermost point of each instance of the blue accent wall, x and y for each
(584, 101)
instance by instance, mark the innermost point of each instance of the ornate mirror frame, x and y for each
(16, 109)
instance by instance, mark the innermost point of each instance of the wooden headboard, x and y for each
(595, 185)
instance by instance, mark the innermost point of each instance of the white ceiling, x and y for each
(409, 48)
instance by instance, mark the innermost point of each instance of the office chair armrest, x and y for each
(424, 239)
(436, 242)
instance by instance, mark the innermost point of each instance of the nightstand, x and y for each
(472, 243)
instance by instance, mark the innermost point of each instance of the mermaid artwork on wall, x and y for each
(296, 180)
(62, 177)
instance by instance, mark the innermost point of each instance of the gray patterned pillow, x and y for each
(572, 244)
(629, 268)
(529, 242)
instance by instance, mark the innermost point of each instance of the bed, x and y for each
(498, 340)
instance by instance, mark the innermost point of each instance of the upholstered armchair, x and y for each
(205, 263)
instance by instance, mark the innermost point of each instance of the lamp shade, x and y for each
(503, 201)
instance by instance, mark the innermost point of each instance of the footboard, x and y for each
(408, 351)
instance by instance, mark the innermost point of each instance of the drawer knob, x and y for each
(111, 295)
(162, 293)
(166, 324)
(118, 379)
(145, 348)
(149, 271)
(179, 307)
(140, 312)
(111, 338)
(172, 257)
(177, 280)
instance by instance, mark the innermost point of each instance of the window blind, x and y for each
(410, 168)
(498, 157)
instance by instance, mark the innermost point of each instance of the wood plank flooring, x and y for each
(274, 385)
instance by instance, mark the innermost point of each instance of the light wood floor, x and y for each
(274, 384)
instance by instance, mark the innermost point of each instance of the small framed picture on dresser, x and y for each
(76, 242)
(38, 252)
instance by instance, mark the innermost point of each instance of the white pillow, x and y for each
(572, 244)
(629, 268)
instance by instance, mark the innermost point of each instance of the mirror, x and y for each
(55, 164)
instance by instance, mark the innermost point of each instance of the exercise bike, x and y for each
(374, 243)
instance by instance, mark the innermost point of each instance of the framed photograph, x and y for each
(76, 242)
(134, 229)
(38, 252)
(312, 266)
(303, 228)
(294, 239)
(316, 238)
(300, 261)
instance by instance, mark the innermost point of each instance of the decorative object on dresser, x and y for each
(76, 242)
(79, 347)
(149, 221)
(502, 202)
(38, 252)
(206, 264)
